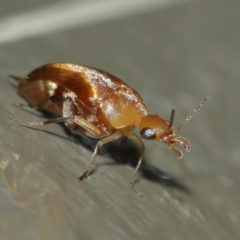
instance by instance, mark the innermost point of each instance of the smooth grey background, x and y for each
(173, 55)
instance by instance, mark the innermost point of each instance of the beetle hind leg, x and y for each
(20, 80)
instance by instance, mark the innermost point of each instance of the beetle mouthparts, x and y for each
(184, 143)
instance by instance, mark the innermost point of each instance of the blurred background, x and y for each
(174, 53)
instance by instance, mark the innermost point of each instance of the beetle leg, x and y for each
(20, 80)
(140, 144)
(117, 134)
(76, 119)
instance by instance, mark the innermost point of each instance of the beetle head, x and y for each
(155, 127)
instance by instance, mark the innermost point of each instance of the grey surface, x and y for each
(174, 56)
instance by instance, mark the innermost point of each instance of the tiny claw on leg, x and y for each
(134, 188)
(85, 175)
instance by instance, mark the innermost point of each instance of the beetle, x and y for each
(99, 105)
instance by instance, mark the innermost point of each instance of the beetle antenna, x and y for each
(190, 116)
(171, 118)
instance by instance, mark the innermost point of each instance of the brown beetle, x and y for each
(99, 105)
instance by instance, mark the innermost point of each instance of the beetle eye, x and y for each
(148, 133)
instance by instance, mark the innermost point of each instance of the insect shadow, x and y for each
(126, 153)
